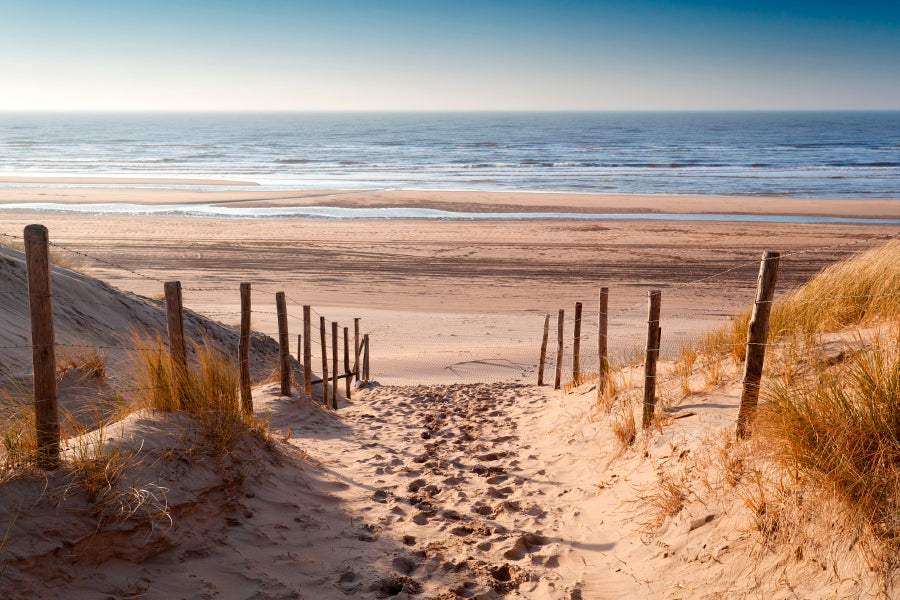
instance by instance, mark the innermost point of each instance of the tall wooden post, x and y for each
(602, 359)
(284, 344)
(324, 363)
(559, 349)
(366, 357)
(177, 347)
(757, 338)
(543, 350)
(43, 344)
(651, 356)
(334, 365)
(576, 346)
(347, 362)
(307, 351)
(244, 351)
(356, 348)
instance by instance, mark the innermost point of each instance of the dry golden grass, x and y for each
(840, 428)
(684, 366)
(209, 390)
(91, 362)
(663, 499)
(58, 256)
(859, 291)
(624, 427)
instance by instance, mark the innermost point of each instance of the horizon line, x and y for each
(441, 110)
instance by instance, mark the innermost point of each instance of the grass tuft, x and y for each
(209, 390)
(57, 256)
(840, 427)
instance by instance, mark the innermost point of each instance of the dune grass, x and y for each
(840, 427)
(209, 390)
(58, 257)
(862, 290)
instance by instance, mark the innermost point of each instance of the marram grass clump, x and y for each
(208, 389)
(840, 428)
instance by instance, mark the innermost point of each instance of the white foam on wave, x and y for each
(337, 213)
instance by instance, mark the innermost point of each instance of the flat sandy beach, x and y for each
(131, 191)
(454, 300)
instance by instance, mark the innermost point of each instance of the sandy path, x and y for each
(452, 476)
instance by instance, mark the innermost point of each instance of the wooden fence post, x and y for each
(244, 351)
(602, 360)
(356, 347)
(576, 346)
(347, 362)
(651, 355)
(43, 344)
(284, 344)
(543, 350)
(177, 347)
(757, 338)
(324, 363)
(307, 351)
(559, 349)
(366, 357)
(334, 364)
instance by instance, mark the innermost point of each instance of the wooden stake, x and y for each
(324, 363)
(177, 348)
(43, 344)
(244, 351)
(366, 357)
(347, 362)
(334, 365)
(576, 346)
(543, 350)
(307, 351)
(602, 359)
(651, 356)
(757, 338)
(284, 344)
(559, 349)
(356, 348)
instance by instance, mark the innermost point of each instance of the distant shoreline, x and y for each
(502, 203)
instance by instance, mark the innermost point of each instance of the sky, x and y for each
(443, 55)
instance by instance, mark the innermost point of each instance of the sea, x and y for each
(794, 154)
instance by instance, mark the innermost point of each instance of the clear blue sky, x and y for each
(429, 55)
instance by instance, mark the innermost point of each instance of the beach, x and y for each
(450, 474)
(455, 300)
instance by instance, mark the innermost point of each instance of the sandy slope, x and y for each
(455, 491)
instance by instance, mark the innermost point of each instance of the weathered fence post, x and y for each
(356, 348)
(757, 338)
(177, 347)
(576, 346)
(559, 349)
(307, 352)
(651, 355)
(347, 362)
(284, 347)
(43, 344)
(324, 362)
(602, 360)
(366, 357)
(244, 351)
(334, 364)
(543, 350)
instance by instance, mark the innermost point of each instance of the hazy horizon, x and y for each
(348, 55)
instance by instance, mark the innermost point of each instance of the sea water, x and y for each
(798, 154)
